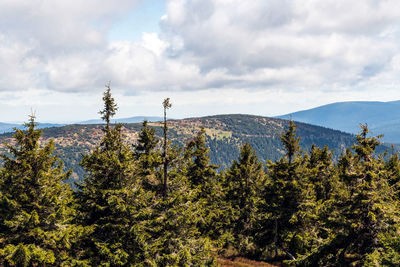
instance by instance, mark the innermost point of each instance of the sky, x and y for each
(263, 57)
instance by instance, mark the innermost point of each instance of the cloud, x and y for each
(253, 45)
(42, 40)
(290, 43)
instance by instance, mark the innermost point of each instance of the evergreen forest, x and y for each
(155, 203)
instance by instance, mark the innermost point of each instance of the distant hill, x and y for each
(135, 119)
(9, 127)
(382, 117)
(224, 135)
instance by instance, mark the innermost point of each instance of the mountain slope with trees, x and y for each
(223, 135)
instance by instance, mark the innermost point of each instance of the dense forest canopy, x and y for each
(154, 203)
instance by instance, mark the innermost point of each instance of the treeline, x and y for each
(155, 204)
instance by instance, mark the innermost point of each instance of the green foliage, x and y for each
(109, 107)
(111, 202)
(35, 205)
(152, 204)
(260, 132)
(362, 213)
(200, 171)
(206, 184)
(244, 182)
(148, 157)
(285, 193)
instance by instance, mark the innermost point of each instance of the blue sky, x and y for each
(209, 56)
(142, 18)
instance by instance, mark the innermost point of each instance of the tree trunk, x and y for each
(165, 189)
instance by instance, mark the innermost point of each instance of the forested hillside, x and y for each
(224, 135)
(156, 204)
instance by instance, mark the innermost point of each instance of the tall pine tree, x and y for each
(35, 205)
(111, 203)
(364, 215)
(283, 197)
(244, 183)
(148, 157)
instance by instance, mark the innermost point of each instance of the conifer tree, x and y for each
(35, 205)
(166, 105)
(147, 142)
(290, 142)
(200, 172)
(365, 217)
(173, 223)
(204, 180)
(320, 172)
(392, 166)
(111, 203)
(244, 182)
(148, 157)
(283, 197)
(171, 226)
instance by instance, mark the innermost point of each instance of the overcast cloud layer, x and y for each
(60, 49)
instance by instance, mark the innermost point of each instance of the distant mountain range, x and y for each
(135, 119)
(9, 127)
(381, 117)
(224, 135)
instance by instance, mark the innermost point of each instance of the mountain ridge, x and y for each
(381, 117)
(224, 135)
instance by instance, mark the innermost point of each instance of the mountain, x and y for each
(381, 117)
(224, 134)
(136, 119)
(9, 127)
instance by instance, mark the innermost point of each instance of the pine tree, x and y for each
(172, 226)
(290, 142)
(283, 196)
(320, 168)
(392, 166)
(111, 202)
(244, 182)
(166, 105)
(200, 172)
(204, 180)
(148, 157)
(364, 216)
(35, 205)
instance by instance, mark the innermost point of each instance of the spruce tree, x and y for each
(200, 172)
(283, 197)
(320, 172)
(166, 105)
(172, 223)
(244, 182)
(35, 205)
(111, 203)
(205, 181)
(148, 157)
(364, 215)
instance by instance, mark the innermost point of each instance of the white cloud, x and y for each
(42, 40)
(256, 47)
(298, 43)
